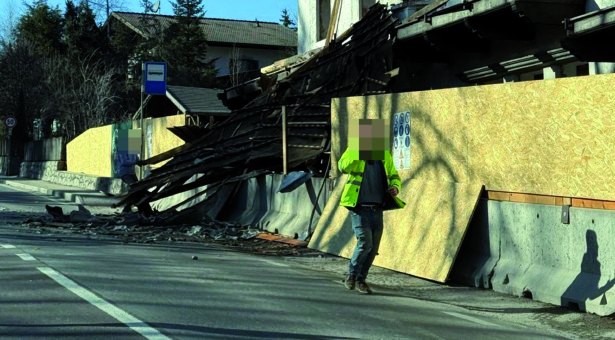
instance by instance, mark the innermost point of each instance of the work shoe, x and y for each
(363, 288)
(350, 282)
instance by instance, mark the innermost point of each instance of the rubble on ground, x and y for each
(135, 228)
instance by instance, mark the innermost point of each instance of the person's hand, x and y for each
(393, 191)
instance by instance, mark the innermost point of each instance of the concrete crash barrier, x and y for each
(294, 213)
(256, 202)
(528, 251)
(480, 250)
(248, 202)
(422, 240)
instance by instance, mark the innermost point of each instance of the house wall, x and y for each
(264, 56)
(314, 16)
(600, 68)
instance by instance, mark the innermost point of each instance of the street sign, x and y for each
(10, 122)
(155, 78)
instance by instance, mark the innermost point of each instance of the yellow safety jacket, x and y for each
(349, 164)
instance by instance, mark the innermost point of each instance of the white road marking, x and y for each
(26, 257)
(7, 246)
(469, 318)
(115, 312)
(275, 263)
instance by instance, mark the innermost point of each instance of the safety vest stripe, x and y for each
(356, 173)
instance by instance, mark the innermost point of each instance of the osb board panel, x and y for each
(551, 137)
(158, 139)
(90, 152)
(423, 239)
(436, 154)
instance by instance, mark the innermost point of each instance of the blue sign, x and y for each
(155, 78)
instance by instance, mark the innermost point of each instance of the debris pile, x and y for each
(135, 228)
(250, 142)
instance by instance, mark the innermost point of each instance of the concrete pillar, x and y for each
(552, 72)
(601, 68)
(511, 78)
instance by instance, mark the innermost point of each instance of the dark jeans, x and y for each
(367, 226)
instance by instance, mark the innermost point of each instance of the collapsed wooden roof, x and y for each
(249, 142)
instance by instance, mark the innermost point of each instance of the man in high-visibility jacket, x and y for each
(371, 187)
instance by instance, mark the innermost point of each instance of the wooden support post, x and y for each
(333, 22)
(284, 141)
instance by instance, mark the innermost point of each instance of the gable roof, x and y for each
(196, 100)
(225, 30)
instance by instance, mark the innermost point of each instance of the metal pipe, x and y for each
(141, 172)
(9, 153)
(284, 145)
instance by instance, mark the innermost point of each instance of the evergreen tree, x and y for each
(286, 21)
(82, 36)
(42, 25)
(186, 46)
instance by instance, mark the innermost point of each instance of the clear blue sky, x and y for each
(263, 10)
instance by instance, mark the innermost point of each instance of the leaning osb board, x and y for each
(158, 139)
(552, 137)
(90, 152)
(423, 239)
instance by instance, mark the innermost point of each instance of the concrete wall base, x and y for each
(55, 172)
(14, 170)
(526, 250)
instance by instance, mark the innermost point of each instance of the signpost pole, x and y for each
(8, 158)
(10, 123)
(143, 76)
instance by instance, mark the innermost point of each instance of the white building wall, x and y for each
(310, 33)
(265, 57)
(590, 6)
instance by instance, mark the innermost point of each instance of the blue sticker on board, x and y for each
(408, 141)
(407, 117)
(408, 129)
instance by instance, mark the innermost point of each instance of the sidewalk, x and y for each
(68, 193)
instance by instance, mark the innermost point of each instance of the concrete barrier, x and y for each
(479, 252)
(529, 252)
(290, 213)
(257, 203)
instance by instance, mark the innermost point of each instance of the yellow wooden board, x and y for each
(90, 152)
(423, 239)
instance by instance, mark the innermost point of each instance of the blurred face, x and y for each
(370, 137)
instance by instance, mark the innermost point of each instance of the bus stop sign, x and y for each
(156, 78)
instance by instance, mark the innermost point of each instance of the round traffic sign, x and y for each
(10, 121)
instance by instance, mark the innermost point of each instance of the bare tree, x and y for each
(84, 95)
(7, 26)
(236, 67)
(103, 8)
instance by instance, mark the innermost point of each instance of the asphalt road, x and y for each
(80, 288)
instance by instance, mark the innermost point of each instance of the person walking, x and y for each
(371, 188)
